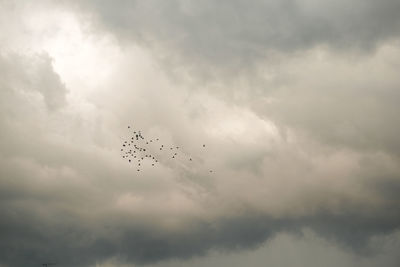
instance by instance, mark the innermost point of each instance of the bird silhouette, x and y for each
(143, 149)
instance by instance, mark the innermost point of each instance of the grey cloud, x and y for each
(346, 107)
(67, 197)
(231, 46)
(49, 84)
(34, 74)
(290, 250)
(58, 197)
(28, 239)
(237, 34)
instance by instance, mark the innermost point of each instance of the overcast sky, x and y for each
(297, 101)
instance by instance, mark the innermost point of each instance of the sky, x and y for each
(296, 101)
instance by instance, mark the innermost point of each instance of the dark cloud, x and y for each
(37, 234)
(308, 141)
(237, 34)
(207, 39)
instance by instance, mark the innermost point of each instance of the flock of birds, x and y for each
(136, 150)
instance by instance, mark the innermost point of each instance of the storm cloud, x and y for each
(297, 102)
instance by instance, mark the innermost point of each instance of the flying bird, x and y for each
(144, 150)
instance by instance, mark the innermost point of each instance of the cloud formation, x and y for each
(296, 101)
(239, 33)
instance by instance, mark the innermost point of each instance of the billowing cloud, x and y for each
(238, 34)
(295, 101)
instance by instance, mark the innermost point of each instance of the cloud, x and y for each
(346, 102)
(307, 139)
(238, 34)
